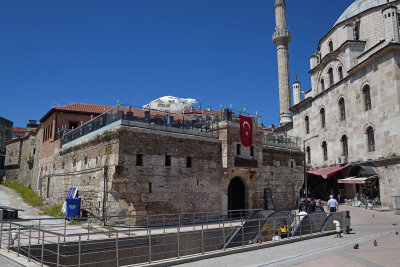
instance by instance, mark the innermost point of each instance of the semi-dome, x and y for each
(358, 7)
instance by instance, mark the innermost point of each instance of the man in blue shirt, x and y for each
(332, 204)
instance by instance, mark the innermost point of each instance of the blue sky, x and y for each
(219, 52)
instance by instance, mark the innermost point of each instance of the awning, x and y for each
(356, 180)
(327, 172)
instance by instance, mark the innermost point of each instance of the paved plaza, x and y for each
(367, 225)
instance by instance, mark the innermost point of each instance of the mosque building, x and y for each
(349, 120)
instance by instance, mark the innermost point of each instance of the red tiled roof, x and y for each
(79, 108)
(19, 129)
(86, 108)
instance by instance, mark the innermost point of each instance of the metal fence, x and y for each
(206, 123)
(118, 242)
(282, 140)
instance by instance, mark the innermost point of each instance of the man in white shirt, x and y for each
(332, 204)
(302, 214)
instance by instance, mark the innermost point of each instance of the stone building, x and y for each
(5, 135)
(131, 166)
(128, 161)
(350, 117)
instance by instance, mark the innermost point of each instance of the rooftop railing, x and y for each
(205, 122)
(281, 140)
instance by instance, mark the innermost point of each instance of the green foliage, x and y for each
(27, 194)
(54, 211)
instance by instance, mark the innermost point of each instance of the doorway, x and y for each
(236, 194)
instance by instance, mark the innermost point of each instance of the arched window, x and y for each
(308, 150)
(340, 70)
(322, 85)
(325, 150)
(370, 139)
(342, 109)
(330, 73)
(307, 124)
(345, 145)
(357, 31)
(322, 113)
(367, 98)
(330, 46)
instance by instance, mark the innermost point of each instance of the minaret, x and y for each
(282, 38)
(296, 92)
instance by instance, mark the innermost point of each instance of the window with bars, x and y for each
(342, 109)
(322, 113)
(330, 73)
(340, 70)
(345, 147)
(367, 98)
(370, 139)
(307, 124)
(167, 160)
(330, 47)
(238, 149)
(325, 150)
(308, 154)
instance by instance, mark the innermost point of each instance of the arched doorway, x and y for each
(236, 194)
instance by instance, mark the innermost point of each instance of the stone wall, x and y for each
(130, 170)
(283, 173)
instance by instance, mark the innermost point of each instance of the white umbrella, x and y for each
(170, 104)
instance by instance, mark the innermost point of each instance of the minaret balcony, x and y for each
(281, 35)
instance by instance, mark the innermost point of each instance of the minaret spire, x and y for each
(282, 38)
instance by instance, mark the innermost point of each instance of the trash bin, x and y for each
(73, 207)
(396, 205)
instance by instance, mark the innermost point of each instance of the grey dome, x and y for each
(360, 6)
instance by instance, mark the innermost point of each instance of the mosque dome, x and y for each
(358, 7)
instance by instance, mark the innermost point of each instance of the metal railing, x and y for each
(83, 241)
(190, 122)
(281, 140)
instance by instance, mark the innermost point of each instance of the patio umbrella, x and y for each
(170, 104)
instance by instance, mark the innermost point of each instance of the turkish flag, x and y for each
(246, 130)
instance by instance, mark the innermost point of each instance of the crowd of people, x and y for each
(308, 207)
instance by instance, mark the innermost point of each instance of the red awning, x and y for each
(327, 172)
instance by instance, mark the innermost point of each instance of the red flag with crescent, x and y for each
(246, 130)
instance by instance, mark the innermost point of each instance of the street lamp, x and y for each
(305, 174)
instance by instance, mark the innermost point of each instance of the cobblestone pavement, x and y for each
(367, 225)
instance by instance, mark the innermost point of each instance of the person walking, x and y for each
(332, 204)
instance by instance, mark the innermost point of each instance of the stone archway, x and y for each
(236, 194)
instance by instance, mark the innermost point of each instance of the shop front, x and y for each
(361, 184)
(323, 182)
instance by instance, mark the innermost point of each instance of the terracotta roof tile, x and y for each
(19, 130)
(81, 107)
